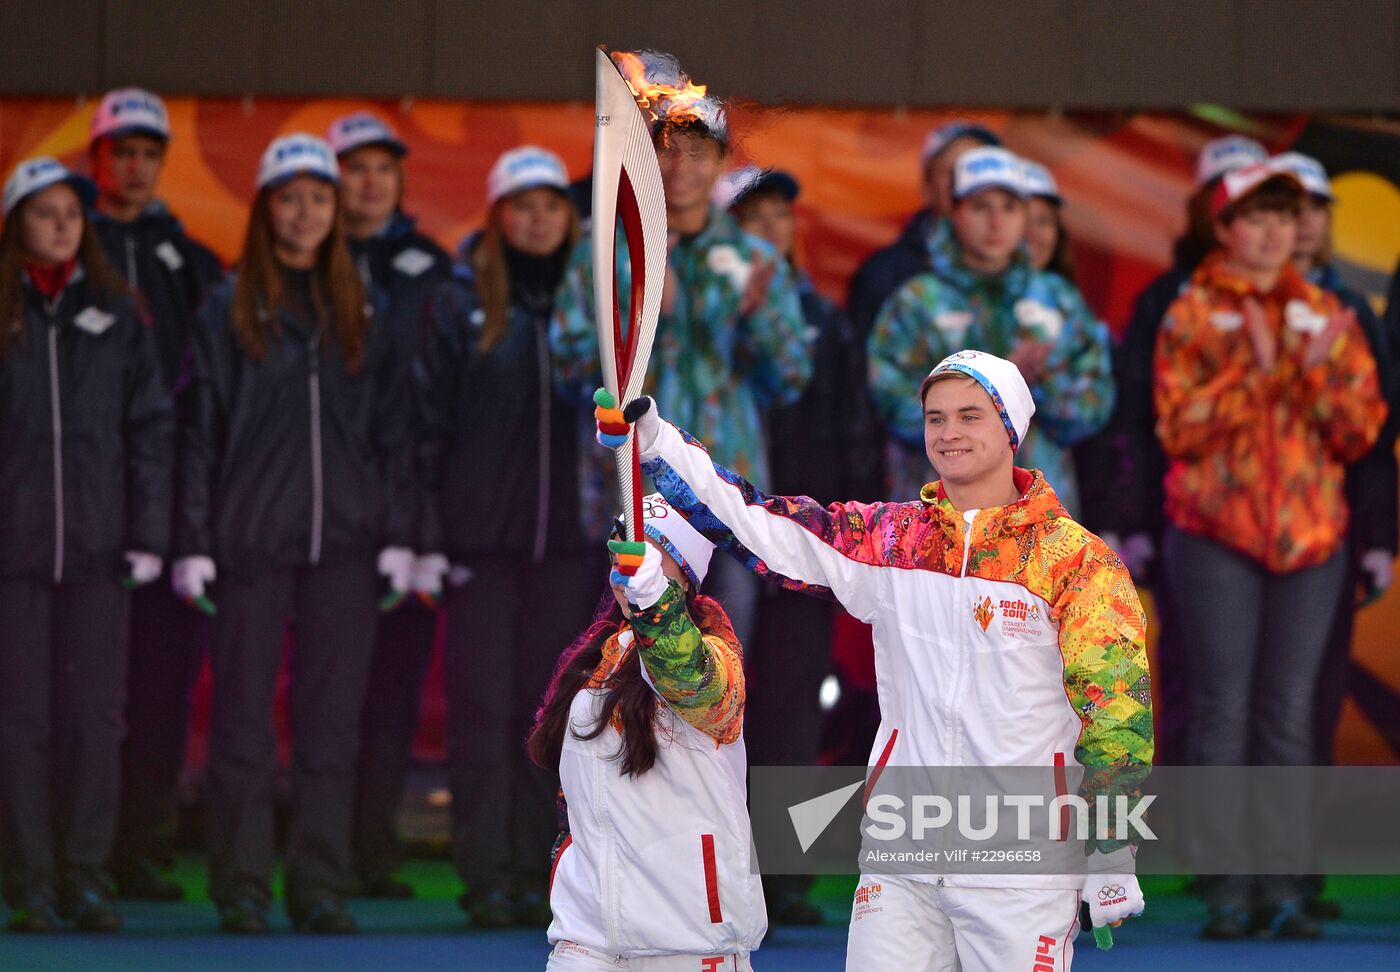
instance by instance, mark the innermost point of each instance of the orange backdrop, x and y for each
(1125, 177)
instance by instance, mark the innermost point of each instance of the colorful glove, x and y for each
(188, 575)
(1379, 568)
(614, 423)
(639, 570)
(145, 567)
(612, 427)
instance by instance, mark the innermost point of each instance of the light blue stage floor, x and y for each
(429, 934)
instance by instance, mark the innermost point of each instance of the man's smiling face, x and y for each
(964, 435)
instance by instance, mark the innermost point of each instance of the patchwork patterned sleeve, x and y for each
(701, 676)
(904, 346)
(1342, 395)
(1074, 394)
(1202, 393)
(1103, 643)
(773, 339)
(573, 339)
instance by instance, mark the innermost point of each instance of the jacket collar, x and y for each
(1038, 503)
(1213, 275)
(946, 261)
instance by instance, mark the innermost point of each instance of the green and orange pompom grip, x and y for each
(630, 554)
(612, 426)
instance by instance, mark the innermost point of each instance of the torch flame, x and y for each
(676, 101)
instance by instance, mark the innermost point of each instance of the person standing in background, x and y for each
(86, 453)
(982, 294)
(730, 341)
(1047, 240)
(407, 268)
(821, 446)
(169, 274)
(1264, 388)
(1133, 524)
(296, 468)
(501, 465)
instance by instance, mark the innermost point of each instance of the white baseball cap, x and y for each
(527, 167)
(1238, 183)
(38, 173)
(1040, 182)
(944, 135)
(130, 111)
(988, 168)
(1226, 154)
(294, 155)
(1310, 173)
(349, 132)
(1001, 380)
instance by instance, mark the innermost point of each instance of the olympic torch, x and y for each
(626, 184)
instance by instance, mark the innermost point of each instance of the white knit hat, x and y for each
(1001, 380)
(686, 545)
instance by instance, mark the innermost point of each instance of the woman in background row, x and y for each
(406, 268)
(86, 449)
(501, 464)
(295, 468)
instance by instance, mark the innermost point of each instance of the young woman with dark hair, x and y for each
(86, 450)
(644, 722)
(295, 468)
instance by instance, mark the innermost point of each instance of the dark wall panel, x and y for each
(53, 48)
(209, 46)
(1255, 54)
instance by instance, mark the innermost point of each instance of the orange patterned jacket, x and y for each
(1256, 457)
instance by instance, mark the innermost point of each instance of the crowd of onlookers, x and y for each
(353, 436)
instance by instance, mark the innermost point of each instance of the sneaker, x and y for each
(36, 914)
(328, 917)
(1226, 923)
(92, 912)
(488, 909)
(386, 886)
(1289, 920)
(244, 917)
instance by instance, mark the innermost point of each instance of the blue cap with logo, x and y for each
(349, 132)
(297, 154)
(32, 175)
(1227, 154)
(130, 111)
(988, 168)
(527, 167)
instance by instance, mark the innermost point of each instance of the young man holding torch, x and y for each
(960, 684)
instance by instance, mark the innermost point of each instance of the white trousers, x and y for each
(915, 926)
(573, 957)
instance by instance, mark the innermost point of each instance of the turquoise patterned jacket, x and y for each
(711, 370)
(949, 308)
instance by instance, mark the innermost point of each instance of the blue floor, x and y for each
(429, 934)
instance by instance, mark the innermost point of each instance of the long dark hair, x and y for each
(98, 272)
(628, 694)
(258, 292)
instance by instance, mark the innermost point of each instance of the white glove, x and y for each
(1111, 888)
(396, 563)
(189, 575)
(145, 567)
(648, 584)
(1379, 566)
(428, 573)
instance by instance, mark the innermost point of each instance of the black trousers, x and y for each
(62, 683)
(403, 647)
(332, 609)
(166, 649)
(506, 628)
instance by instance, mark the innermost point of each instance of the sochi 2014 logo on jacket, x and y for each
(1018, 617)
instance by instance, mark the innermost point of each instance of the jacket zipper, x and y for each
(545, 399)
(609, 905)
(963, 648)
(317, 483)
(57, 412)
(131, 262)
